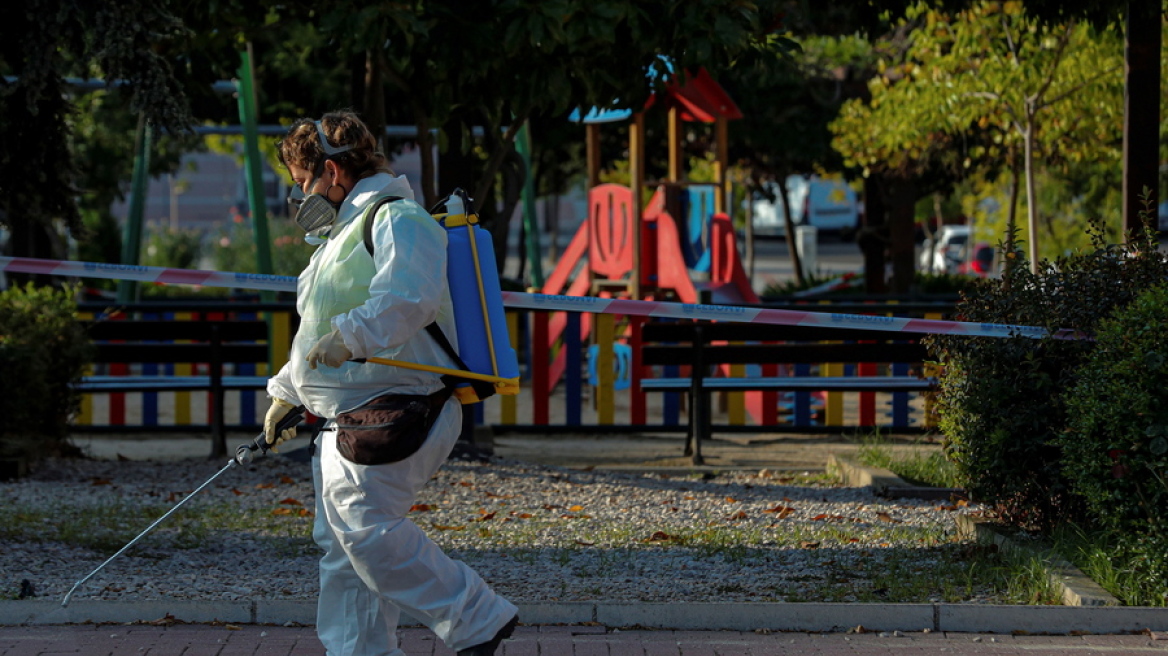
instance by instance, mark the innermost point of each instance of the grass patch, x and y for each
(1134, 579)
(930, 469)
(105, 528)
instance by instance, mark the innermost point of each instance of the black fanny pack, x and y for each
(390, 428)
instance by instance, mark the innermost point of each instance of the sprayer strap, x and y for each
(481, 387)
(370, 214)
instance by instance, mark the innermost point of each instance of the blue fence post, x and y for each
(573, 368)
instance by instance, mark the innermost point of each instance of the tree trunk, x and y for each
(374, 101)
(1031, 194)
(873, 237)
(901, 246)
(1141, 124)
(789, 226)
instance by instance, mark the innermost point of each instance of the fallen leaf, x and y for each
(689, 498)
(660, 536)
(304, 512)
(420, 507)
(741, 514)
(291, 502)
(441, 527)
(166, 620)
(466, 484)
(808, 545)
(101, 481)
(232, 627)
(525, 515)
(282, 511)
(551, 507)
(236, 491)
(486, 517)
(287, 480)
(781, 511)
(500, 496)
(884, 517)
(575, 508)
(731, 500)
(265, 486)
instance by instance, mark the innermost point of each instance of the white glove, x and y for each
(278, 410)
(330, 350)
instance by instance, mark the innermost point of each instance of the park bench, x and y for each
(156, 343)
(704, 345)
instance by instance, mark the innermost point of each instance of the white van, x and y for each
(826, 203)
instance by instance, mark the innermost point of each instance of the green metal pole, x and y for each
(254, 171)
(132, 238)
(534, 252)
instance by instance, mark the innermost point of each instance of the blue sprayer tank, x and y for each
(480, 320)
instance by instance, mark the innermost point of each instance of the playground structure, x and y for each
(658, 252)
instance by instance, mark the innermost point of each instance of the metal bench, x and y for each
(706, 345)
(215, 343)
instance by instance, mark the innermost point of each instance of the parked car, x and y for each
(947, 253)
(982, 262)
(829, 204)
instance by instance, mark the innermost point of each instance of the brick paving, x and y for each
(252, 640)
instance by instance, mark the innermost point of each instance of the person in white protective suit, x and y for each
(355, 304)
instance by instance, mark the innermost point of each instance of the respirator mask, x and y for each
(315, 213)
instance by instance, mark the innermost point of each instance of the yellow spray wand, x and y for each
(460, 373)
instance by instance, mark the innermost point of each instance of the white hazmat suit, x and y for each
(377, 562)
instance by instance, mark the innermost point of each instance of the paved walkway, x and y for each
(251, 640)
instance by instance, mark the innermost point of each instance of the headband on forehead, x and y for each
(328, 149)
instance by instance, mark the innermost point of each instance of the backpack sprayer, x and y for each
(243, 455)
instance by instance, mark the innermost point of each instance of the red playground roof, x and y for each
(699, 99)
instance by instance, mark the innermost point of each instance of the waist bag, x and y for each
(390, 428)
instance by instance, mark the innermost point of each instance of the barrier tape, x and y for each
(522, 300)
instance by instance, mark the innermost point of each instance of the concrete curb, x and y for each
(813, 617)
(857, 475)
(1075, 587)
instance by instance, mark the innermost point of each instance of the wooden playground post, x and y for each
(676, 166)
(592, 145)
(721, 163)
(637, 182)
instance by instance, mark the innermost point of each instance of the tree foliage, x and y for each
(990, 86)
(43, 42)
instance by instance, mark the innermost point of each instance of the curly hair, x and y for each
(301, 146)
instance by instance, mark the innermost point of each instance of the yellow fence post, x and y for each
(508, 408)
(605, 331)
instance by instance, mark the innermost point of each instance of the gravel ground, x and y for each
(534, 532)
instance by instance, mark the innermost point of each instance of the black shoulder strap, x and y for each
(481, 387)
(371, 214)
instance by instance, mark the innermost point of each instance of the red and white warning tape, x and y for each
(254, 281)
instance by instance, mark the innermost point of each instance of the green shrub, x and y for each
(176, 248)
(43, 351)
(1000, 401)
(1115, 448)
(233, 248)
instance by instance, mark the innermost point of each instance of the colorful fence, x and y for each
(599, 392)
